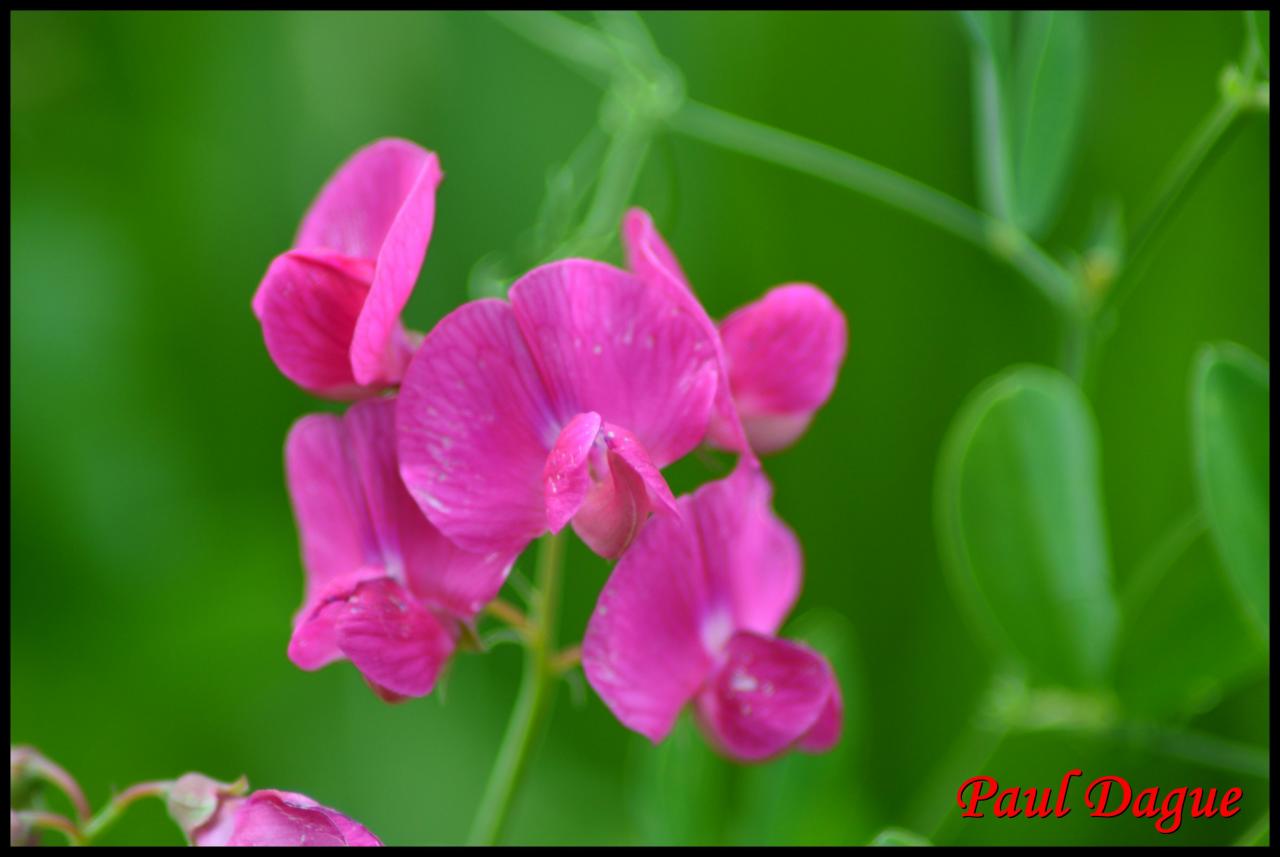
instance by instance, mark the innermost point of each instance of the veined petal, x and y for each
(766, 695)
(648, 254)
(474, 427)
(616, 507)
(437, 571)
(643, 650)
(752, 559)
(604, 342)
(652, 260)
(334, 528)
(566, 478)
(784, 352)
(314, 643)
(308, 304)
(392, 639)
(380, 207)
(269, 817)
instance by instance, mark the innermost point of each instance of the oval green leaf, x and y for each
(1183, 645)
(1020, 524)
(1047, 98)
(1230, 426)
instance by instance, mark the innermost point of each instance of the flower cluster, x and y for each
(558, 406)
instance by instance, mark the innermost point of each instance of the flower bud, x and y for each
(199, 804)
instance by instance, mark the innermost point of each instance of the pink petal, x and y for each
(315, 643)
(334, 528)
(412, 549)
(379, 206)
(619, 504)
(751, 557)
(652, 260)
(474, 428)
(647, 254)
(566, 477)
(392, 639)
(308, 304)
(599, 477)
(765, 696)
(605, 342)
(643, 650)
(269, 817)
(784, 352)
(825, 733)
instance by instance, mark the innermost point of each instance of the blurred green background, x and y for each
(159, 162)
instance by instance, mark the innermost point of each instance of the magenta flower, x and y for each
(330, 307)
(777, 357)
(384, 588)
(689, 615)
(560, 406)
(213, 813)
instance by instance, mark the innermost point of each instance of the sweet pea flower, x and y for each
(689, 615)
(777, 357)
(330, 307)
(559, 405)
(211, 813)
(384, 588)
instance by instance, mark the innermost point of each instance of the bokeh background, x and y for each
(158, 163)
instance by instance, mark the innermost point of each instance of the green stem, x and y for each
(111, 813)
(1199, 151)
(1000, 239)
(623, 161)
(1077, 346)
(532, 701)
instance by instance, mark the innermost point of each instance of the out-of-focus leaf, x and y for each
(1046, 90)
(1230, 425)
(1020, 524)
(677, 788)
(802, 799)
(1182, 645)
(1259, 23)
(898, 836)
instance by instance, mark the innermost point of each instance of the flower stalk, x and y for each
(532, 700)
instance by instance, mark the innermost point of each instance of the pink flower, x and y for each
(384, 587)
(330, 307)
(690, 613)
(777, 358)
(213, 813)
(559, 406)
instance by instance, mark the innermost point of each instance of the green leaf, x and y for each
(1183, 645)
(677, 788)
(802, 799)
(898, 836)
(1020, 524)
(1230, 427)
(1047, 90)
